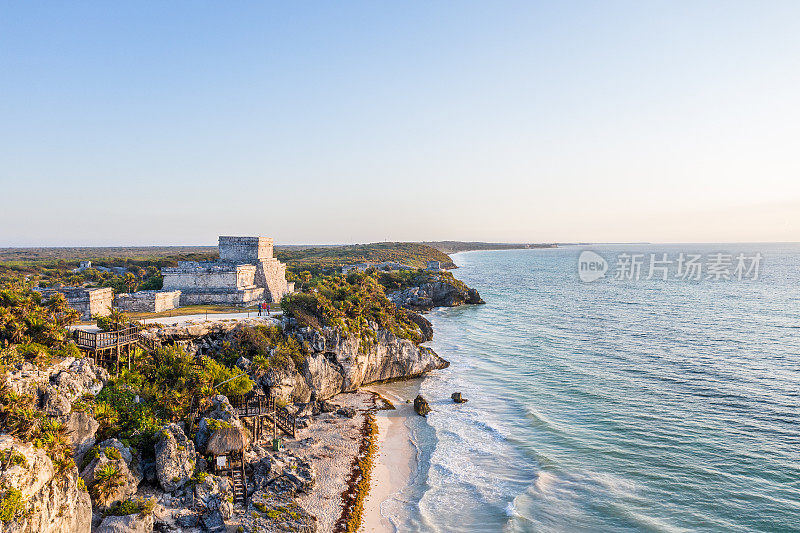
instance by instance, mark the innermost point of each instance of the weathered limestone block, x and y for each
(111, 456)
(81, 429)
(88, 302)
(54, 501)
(132, 523)
(148, 301)
(221, 416)
(174, 458)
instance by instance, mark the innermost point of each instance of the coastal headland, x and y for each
(233, 417)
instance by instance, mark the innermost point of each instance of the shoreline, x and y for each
(396, 456)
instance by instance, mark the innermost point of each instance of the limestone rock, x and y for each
(283, 474)
(82, 376)
(421, 406)
(424, 325)
(174, 458)
(81, 429)
(389, 358)
(111, 474)
(456, 396)
(348, 412)
(270, 512)
(55, 502)
(58, 386)
(213, 521)
(436, 293)
(222, 412)
(53, 402)
(132, 523)
(323, 377)
(327, 407)
(215, 493)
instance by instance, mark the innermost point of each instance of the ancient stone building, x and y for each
(148, 301)
(247, 272)
(88, 302)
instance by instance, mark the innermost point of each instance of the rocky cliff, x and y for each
(435, 293)
(342, 363)
(337, 363)
(37, 497)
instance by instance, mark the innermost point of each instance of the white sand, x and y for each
(396, 458)
(332, 448)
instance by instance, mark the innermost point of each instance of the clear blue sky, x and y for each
(174, 122)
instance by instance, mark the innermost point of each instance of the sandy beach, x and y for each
(396, 457)
(331, 442)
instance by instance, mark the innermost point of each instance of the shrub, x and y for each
(226, 378)
(108, 479)
(267, 347)
(355, 305)
(112, 453)
(12, 504)
(11, 457)
(141, 506)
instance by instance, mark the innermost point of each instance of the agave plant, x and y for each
(107, 479)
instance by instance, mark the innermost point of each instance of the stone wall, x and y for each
(222, 296)
(245, 249)
(213, 283)
(271, 274)
(88, 302)
(148, 301)
(193, 275)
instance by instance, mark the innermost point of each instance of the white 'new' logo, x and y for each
(591, 266)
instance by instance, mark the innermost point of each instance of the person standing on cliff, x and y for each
(259, 309)
(267, 307)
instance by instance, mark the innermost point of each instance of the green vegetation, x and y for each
(112, 453)
(267, 347)
(107, 479)
(198, 477)
(12, 504)
(215, 425)
(115, 319)
(20, 417)
(25, 320)
(351, 304)
(403, 279)
(140, 506)
(11, 457)
(327, 259)
(55, 265)
(223, 379)
(164, 385)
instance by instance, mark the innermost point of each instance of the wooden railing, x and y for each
(265, 406)
(106, 339)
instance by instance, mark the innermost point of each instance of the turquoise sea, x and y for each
(616, 405)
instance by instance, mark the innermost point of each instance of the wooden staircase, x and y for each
(238, 479)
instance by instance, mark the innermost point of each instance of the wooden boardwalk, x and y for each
(105, 347)
(260, 408)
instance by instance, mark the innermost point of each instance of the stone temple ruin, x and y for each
(148, 301)
(88, 302)
(246, 272)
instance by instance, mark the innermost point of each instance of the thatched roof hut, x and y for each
(226, 440)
